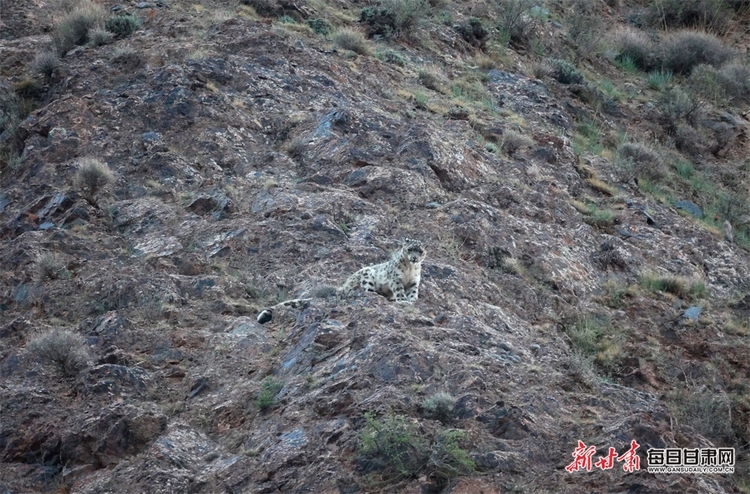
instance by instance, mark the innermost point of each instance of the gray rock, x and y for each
(690, 207)
(692, 313)
(143, 5)
(432, 205)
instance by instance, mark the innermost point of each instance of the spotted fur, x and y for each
(396, 279)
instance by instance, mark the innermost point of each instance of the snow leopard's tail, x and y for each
(267, 314)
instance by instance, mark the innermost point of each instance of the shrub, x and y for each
(679, 286)
(637, 48)
(100, 37)
(565, 72)
(473, 32)
(707, 82)
(707, 413)
(391, 447)
(585, 29)
(127, 58)
(269, 388)
(61, 349)
(514, 141)
(644, 161)
(351, 40)
(92, 176)
(439, 407)
(123, 25)
(704, 14)
(516, 24)
(393, 17)
(73, 28)
(50, 267)
(659, 79)
(430, 80)
(594, 336)
(675, 104)
(390, 56)
(684, 50)
(735, 79)
(320, 26)
(448, 459)
(45, 63)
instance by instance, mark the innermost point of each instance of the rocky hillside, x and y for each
(577, 172)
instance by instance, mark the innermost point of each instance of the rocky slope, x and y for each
(254, 161)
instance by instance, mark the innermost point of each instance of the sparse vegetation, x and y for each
(127, 58)
(45, 64)
(565, 72)
(635, 50)
(393, 18)
(684, 50)
(439, 407)
(100, 37)
(659, 79)
(60, 348)
(707, 412)
(72, 29)
(641, 161)
(513, 142)
(392, 57)
(679, 286)
(352, 40)
(593, 336)
(91, 178)
(123, 26)
(430, 80)
(516, 24)
(320, 26)
(269, 388)
(50, 267)
(392, 449)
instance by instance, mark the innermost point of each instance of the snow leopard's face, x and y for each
(414, 251)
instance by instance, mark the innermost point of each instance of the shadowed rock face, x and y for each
(253, 164)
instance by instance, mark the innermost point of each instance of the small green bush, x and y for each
(92, 176)
(448, 459)
(320, 26)
(516, 24)
(676, 104)
(634, 47)
(708, 82)
(430, 80)
(514, 141)
(60, 348)
(646, 163)
(659, 79)
(681, 287)
(473, 32)
(127, 58)
(394, 18)
(565, 72)
(391, 447)
(123, 26)
(269, 388)
(50, 267)
(45, 63)
(594, 336)
(712, 15)
(392, 57)
(706, 412)
(100, 37)
(735, 77)
(351, 40)
(73, 28)
(439, 407)
(684, 50)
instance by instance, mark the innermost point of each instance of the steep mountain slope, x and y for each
(254, 160)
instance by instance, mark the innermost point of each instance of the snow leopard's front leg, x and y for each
(398, 293)
(412, 293)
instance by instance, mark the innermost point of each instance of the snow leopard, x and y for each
(396, 279)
